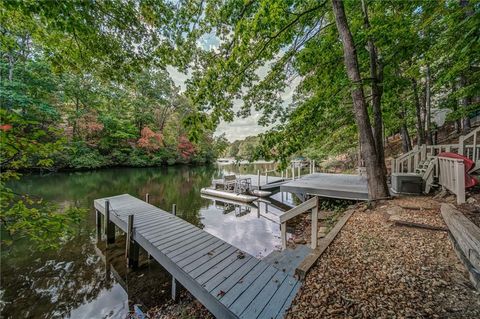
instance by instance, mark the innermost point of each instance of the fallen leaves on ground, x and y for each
(376, 270)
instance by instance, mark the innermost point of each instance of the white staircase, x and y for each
(423, 160)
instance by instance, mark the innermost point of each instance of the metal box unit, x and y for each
(407, 183)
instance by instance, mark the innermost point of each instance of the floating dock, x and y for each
(257, 182)
(342, 186)
(229, 282)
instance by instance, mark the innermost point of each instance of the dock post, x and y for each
(132, 249)
(266, 177)
(147, 198)
(175, 283)
(258, 179)
(283, 231)
(175, 289)
(299, 172)
(109, 226)
(315, 224)
(313, 167)
(99, 225)
(293, 172)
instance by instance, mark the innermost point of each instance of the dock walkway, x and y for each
(229, 282)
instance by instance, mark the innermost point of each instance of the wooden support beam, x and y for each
(175, 289)
(283, 231)
(323, 244)
(99, 225)
(132, 250)
(175, 283)
(109, 226)
(147, 198)
(315, 223)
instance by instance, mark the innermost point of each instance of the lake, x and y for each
(83, 279)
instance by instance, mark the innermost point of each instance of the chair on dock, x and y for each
(229, 182)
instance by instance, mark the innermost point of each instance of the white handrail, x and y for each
(313, 204)
(452, 176)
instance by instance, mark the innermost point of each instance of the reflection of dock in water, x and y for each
(147, 286)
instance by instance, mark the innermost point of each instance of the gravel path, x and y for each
(374, 269)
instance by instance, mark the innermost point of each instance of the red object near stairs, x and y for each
(469, 164)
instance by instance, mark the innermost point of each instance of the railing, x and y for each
(311, 204)
(409, 162)
(471, 148)
(452, 176)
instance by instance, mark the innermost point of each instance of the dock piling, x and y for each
(99, 225)
(131, 250)
(315, 223)
(175, 283)
(258, 179)
(109, 226)
(147, 198)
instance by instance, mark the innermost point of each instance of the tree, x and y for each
(377, 183)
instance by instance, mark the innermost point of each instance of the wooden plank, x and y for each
(157, 234)
(272, 309)
(223, 268)
(240, 275)
(201, 257)
(418, 225)
(249, 294)
(173, 234)
(198, 237)
(239, 287)
(288, 301)
(196, 271)
(232, 270)
(192, 250)
(466, 233)
(174, 239)
(163, 225)
(264, 296)
(297, 210)
(323, 244)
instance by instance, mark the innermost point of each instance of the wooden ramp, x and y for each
(227, 281)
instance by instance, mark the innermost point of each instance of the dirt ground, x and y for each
(375, 269)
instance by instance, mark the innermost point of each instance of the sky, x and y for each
(240, 128)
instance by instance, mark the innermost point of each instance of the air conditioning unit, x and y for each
(407, 183)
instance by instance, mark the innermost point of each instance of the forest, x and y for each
(84, 84)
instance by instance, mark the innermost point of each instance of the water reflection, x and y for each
(78, 280)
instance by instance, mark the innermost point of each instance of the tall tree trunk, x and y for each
(464, 81)
(418, 113)
(376, 73)
(377, 182)
(464, 103)
(428, 106)
(406, 143)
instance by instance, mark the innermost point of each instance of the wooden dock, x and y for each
(229, 282)
(342, 186)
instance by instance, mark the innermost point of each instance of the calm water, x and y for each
(85, 280)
